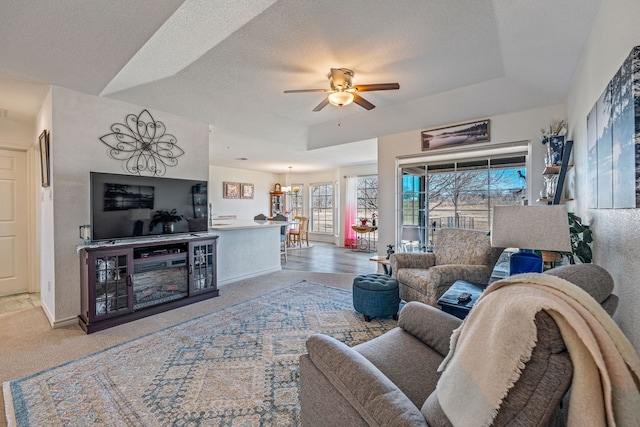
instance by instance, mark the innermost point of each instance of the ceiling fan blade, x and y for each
(305, 90)
(363, 102)
(378, 86)
(323, 104)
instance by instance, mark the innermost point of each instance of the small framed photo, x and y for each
(449, 136)
(45, 166)
(231, 190)
(247, 191)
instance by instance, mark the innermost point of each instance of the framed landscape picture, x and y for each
(231, 190)
(247, 191)
(449, 136)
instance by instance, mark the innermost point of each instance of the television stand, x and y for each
(123, 281)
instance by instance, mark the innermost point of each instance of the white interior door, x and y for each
(13, 222)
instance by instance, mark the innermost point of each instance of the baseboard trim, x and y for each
(248, 276)
(70, 321)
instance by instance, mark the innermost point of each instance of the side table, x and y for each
(362, 243)
(451, 303)
(384, 261)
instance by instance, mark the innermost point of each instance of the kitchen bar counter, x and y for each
(246, 248)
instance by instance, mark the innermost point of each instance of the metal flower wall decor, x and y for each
(143, 144)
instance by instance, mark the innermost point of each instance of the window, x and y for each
(456, 194)
(322, 208)
(367, 197)
(295, 207)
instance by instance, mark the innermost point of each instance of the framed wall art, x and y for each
(247, 191)
(613, 140)
(45, 162)
(449, 136)
(231, 190)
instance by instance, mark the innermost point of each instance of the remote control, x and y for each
(464, 297)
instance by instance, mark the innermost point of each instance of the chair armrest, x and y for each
(428, 324)
(368, 390)
(412, 260)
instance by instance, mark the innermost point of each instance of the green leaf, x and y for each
(583, 252)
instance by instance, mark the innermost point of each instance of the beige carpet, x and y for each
(29, 345)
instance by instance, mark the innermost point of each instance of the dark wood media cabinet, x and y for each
(125, 281)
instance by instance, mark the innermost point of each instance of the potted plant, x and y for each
(167, 219)
(581, 239)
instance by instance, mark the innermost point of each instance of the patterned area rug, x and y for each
(234, 367)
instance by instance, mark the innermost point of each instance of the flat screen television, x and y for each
(124, 206)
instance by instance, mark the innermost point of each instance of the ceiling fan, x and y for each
(342, 91)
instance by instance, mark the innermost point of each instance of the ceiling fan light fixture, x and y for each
(340, 99)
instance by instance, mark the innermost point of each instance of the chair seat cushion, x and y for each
(406, 361)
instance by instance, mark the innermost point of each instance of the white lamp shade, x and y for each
(412, 234)
(543, 228)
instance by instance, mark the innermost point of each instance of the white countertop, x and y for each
(218, 225)
(239, 224)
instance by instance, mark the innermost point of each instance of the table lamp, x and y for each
(530, 228)
(411, 234)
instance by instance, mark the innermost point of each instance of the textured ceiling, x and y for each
(227, 63)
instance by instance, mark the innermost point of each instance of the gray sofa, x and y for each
(459, 254)
(391, 380)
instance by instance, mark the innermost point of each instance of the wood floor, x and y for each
(328, 258)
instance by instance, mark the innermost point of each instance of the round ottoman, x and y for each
(376, 295)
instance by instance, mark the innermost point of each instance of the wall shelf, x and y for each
(550, 200)
(561, 172)
(554, 170)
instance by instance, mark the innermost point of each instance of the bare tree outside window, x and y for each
(296, 201)
(459, 194)
(322, 208)
(367, 198)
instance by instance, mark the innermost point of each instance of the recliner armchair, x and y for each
(459, 254)
(391, 380)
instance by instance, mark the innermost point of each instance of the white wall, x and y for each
(16, 131)
(79, 121)
(616, 231)
(244, 208)
(513, 127)
(264, 182)
(44, 229)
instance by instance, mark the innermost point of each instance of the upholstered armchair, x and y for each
(393, 380)
(459, 254)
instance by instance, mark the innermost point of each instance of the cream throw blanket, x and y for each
(605, 389)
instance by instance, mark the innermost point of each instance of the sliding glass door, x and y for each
(455, 194)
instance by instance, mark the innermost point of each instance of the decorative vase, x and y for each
(390, 251)
(555, 147)
(167, 228)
